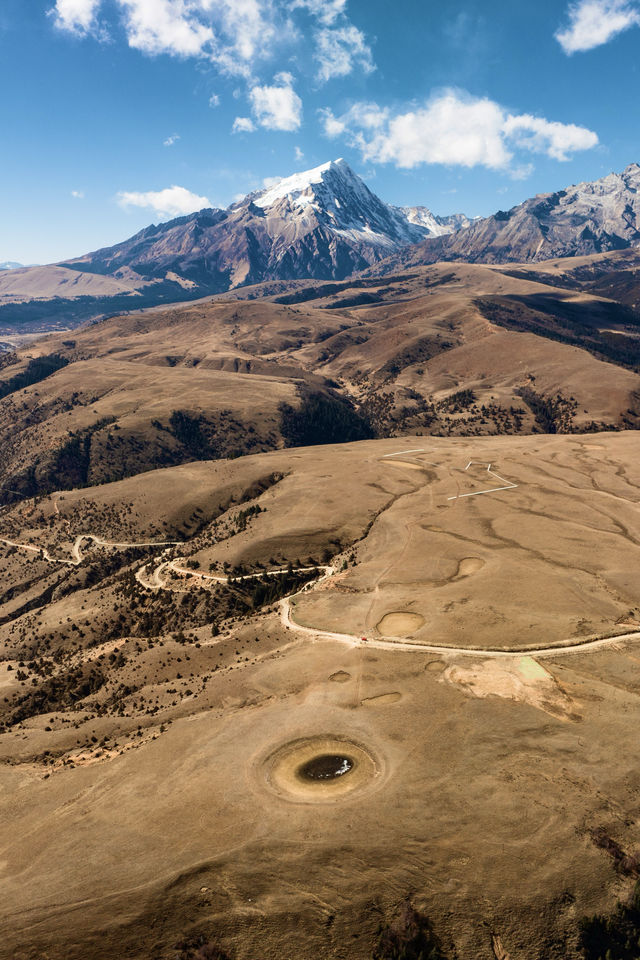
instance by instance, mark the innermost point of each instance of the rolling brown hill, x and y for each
(448, 350)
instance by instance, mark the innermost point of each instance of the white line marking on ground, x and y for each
(479, 493)
(401, 453)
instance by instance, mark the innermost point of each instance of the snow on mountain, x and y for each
(582, 220)
(298, 187)
(435, 226)
(10, 265)
(342, 202)
(324, 223)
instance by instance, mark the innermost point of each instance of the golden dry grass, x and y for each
(481, 766)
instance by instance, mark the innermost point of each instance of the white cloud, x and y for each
(362, 116)
(77, 194)
(277, 107)
(298, 154)
(557, 140)
(339, 50)
(232, 33)
(326, 11)
(332, 125)
(169, 142)
(594, 22)
(214, 101)
(243, 125)
(248, 31)
(237, 35)
(455, 129)
(171, 202)
(166, 26)
(76, 16)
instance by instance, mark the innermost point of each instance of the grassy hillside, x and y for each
(443, 351)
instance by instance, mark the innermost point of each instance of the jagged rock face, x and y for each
(582, 220)
(437, 226)
(324, 224)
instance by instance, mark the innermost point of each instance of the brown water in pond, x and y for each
(327, 767)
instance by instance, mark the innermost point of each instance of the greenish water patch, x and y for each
(531, 669)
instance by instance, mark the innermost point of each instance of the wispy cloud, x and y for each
(237, 35)
(77, 194)
(170, 141)
(165, 26)
(595, 22)
(326, 11)
(339, 50)
(242, 38)
(172, 202)
(455, 129)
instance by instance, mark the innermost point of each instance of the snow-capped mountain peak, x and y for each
(581, 220)
(322, 223)
(298, 188)
(341, 202)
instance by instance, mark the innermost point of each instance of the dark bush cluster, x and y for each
(36, 370)
(322, 418)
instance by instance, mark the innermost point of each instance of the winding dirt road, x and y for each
(156, 579)
(76, 552)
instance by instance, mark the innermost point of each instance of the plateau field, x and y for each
(461, 628)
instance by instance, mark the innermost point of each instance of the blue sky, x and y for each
(468, 105)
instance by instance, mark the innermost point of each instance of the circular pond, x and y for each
(320, 769)
(325, 768)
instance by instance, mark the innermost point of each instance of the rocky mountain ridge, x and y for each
(323, 224)
(584, 219)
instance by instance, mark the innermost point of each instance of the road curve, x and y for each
(399, 643)
(76, 552)
(155, 581)
(575, 645)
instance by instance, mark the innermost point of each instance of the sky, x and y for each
(120, 113)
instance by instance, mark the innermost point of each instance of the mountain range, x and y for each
(324, 224)
(582, 220)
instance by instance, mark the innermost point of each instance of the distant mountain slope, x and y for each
(322, 224)
(327, 225)
(437, 226)
(582, 220)
(10, 265)
(42, 283)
